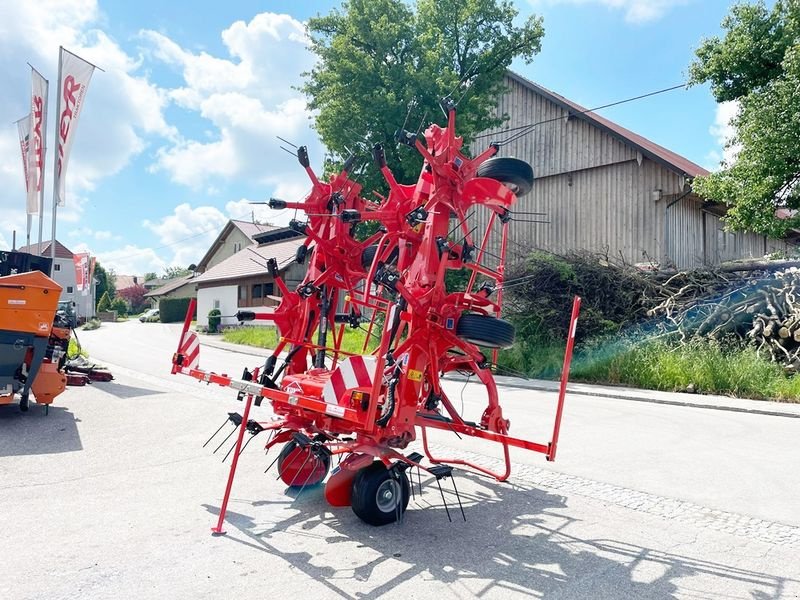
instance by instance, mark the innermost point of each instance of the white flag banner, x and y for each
(73, 81)
(24, 129)
(35, 163)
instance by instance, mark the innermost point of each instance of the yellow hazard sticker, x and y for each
(414, 375)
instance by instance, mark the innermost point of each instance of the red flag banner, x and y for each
(81, 262)
(35, 159)
(74, 76)
(24, 129)
(90, 279)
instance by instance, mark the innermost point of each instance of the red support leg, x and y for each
(562, 391)
(242, 428)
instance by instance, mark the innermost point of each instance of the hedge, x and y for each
(173, 310)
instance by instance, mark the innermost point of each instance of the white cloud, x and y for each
(636, 11)
(188, 232)
(128, 259)
(248, 98)
(724, 133)
(122, 108)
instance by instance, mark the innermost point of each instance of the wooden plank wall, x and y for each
(598, 195)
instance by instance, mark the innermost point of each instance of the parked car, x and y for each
(149, 316)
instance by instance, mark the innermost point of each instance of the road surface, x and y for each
(112, 496)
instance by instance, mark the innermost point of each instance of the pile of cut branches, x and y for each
(734, 305)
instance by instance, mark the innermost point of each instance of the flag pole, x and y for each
(55, 163)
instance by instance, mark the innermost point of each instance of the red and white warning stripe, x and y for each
(353, 372)
(190, 349)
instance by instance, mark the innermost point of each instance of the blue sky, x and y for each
(178, 133)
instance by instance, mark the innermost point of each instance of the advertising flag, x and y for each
(73, 80)
(35, 159)
(24, 129)
(82, 267)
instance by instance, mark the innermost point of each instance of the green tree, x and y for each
(150, 275)
(386, 64)
(105, 302)
(757, 64)
(172, 272)
(105, 283)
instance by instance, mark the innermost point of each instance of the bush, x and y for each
(105, 303)
(91, 324)
(214, 319)
(173, 310)
(120, 306)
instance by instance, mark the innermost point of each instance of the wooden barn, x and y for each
(606, 189)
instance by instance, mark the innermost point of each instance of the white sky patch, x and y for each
(128, 259)
(636, 11)
(188, 232)
(248, 98)
(724, 133)
(121, 111)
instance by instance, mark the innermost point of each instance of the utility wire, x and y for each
(525, 129)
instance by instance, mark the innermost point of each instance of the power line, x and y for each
(526, 129)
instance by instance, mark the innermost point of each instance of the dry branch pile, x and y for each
(758, 308)
(734, 305)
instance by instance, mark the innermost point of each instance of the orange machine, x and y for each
(31, 348)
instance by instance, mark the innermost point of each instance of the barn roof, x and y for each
(653, 151)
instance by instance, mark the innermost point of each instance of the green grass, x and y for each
(708, 367)
(72, 349)
(267, 337)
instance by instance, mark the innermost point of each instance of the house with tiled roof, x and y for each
(242, 282)
(64, 275)
(234, 237)
(600, 187)
(177, 287)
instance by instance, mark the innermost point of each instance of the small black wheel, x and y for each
(380, 495)
(486, 331)
(24, 403)
(299, 467)
(368, 255)
(515, 174)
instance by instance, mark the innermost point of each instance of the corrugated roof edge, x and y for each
(650, 149)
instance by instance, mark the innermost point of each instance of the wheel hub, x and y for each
(386, 497)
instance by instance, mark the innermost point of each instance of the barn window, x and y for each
(269, 289)
(257, 291)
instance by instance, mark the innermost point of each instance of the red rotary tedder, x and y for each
(365, 408)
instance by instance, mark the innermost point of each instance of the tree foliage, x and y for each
(134, 296)
(172, 272)
(386, 64)
(757, 64)
(105, 302)
(105, 283)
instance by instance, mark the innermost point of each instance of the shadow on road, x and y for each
(34, 432)
(517, 540)
(125, 392)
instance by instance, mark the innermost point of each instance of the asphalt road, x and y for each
(112, 496)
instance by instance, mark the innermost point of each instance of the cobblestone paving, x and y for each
(672, 509)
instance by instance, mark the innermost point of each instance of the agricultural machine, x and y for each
(366, 408)
(33, 336)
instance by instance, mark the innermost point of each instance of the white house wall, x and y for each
(224, 297)
(65, 277)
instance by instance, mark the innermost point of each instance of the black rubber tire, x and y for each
(515, 174)
(287, 449)
(368, 483)
(24, 403)
(368, 255)
(486, 331)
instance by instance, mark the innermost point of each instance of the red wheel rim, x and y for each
(299, 467)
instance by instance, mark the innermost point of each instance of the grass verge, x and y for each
(706, 367)
(267, 337)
